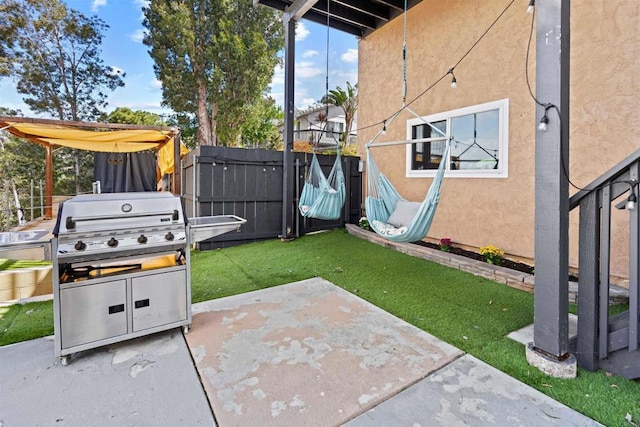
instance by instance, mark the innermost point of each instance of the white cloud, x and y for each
(301, 32)
(137, 35)
(139, 4)
(117, 71)
(307, 102)
(351, 55)
(310, 53)
(97, 4)
(155, 84)
(342, 76)
(305, 70)
(278, 76)
(278, 97)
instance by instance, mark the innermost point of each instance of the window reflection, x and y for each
(475, 142)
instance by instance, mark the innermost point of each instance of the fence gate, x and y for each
(248, 183)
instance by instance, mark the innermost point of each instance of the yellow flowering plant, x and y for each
(492, 254)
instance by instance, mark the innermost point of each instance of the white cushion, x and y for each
(403, 213)
(388, 229)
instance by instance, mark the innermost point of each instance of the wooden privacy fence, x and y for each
(248, 183)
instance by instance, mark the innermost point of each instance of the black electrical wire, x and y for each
(495, 21)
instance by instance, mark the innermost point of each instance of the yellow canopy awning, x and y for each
(109, 141)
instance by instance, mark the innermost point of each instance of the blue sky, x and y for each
(122, 48)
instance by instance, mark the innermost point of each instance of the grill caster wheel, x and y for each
(64, 360)
(186, 329)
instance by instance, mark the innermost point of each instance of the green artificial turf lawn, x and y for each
(469, 312)
(10, 264)
(21, 322)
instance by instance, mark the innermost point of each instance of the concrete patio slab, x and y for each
(306, 353)
(468, 392)
(149, 381)
(525, 335)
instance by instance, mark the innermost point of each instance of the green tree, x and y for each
(188, 125)
(259, 127)
(55, 58)
(17, 159)
(348, 101)
(215, 59)
(128, 116)
(10, 21)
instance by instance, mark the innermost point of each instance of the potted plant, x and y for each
(364, 223)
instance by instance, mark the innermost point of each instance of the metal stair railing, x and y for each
(604, 341)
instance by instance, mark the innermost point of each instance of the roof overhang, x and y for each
(357, 17)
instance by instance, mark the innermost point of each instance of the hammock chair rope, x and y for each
(389, 214)
(323, 196)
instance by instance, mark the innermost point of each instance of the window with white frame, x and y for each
(478, 138)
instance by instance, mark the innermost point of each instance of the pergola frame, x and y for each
(48, 210)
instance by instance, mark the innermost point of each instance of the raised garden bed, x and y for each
(519, 266)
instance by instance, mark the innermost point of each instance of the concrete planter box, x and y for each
(25, 283)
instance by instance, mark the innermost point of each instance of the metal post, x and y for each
(634, 267)
(297, 193)
(177, 166)
(287, 153)
(31, 202)
(7, 205)
(48, 202)
(551, 324)
(41, 212)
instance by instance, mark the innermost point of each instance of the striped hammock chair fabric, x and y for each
(384, 203)
(323, 197)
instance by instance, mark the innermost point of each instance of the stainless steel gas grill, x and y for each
(121, 267)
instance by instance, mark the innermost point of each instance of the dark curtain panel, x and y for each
(125, 172)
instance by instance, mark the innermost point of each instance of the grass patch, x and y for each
(12, 264)
(469, 312)
(21, 322)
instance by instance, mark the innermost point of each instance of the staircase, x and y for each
(604, 341)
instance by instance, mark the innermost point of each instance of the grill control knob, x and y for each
(80, 246)
(142, 239)
(169, 236)
(112, 242)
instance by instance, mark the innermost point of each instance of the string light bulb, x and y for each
(631, 200)
(454, 81)
(384, 128)
(531, 7)
(544, 121)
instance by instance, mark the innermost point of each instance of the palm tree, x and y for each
(348, 101)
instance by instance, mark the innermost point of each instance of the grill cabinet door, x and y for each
(159, 299)
(93, 312)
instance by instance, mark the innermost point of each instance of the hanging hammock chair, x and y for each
(393, 217)
(323, 197)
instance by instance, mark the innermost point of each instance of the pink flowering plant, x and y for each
(445, 244)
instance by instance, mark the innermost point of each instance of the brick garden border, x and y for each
(512, 278)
